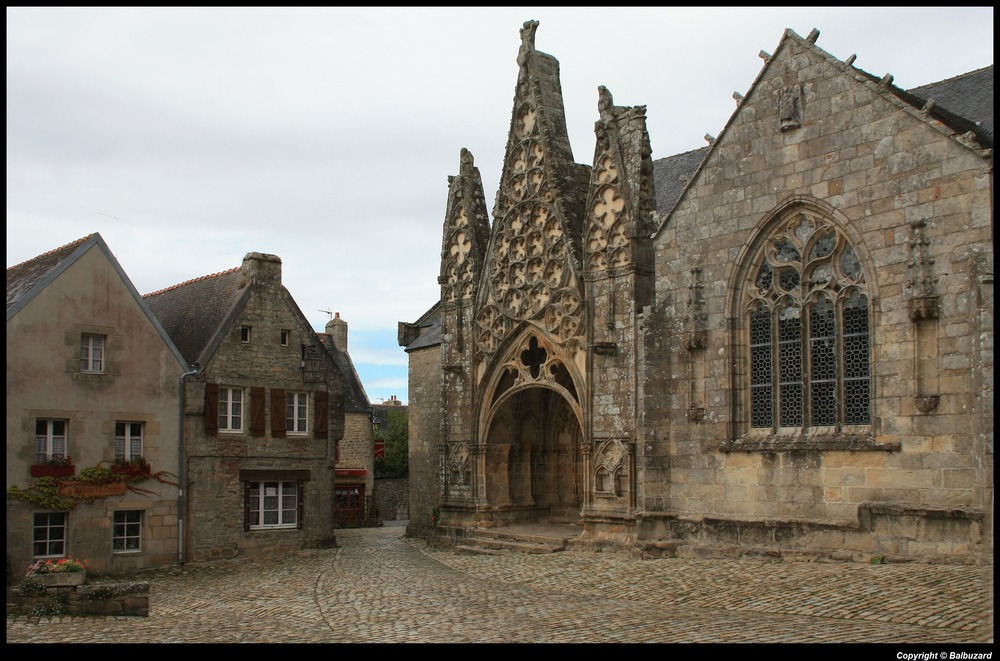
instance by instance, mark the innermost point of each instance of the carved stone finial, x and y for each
(813, 36)
(604, 101)
(527, 40)
(466, 162)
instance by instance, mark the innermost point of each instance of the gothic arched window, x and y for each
(806, 312)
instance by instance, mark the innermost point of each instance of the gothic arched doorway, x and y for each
(533, 458)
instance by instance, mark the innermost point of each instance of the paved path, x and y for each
(380, 587)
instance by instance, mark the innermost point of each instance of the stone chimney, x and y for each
(336, 328)
(260, 267)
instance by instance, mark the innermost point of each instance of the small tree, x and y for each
(396, 463)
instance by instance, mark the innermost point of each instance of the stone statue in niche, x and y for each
(790, 107)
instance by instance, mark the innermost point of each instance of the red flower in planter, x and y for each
(57, 466)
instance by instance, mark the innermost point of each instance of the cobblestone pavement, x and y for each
(379, 586)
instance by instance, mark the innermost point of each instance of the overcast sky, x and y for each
(189, 137)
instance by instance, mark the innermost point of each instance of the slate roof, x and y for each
(671, 175)
(355, 398)
(430, 329)
(969, 95)
(26, 279)
(193, 311)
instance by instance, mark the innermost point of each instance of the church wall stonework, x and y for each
(794, 358)
(424, 437)
(878, 170)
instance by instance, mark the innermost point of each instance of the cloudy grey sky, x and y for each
(189, 137)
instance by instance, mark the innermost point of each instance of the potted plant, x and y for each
(64, 572)
(132, 468)
(57, 466)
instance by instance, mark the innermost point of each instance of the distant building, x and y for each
(355, 473)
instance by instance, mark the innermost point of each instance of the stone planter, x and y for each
(44, 470)
(59, 579)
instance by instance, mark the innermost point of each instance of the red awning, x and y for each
(351, 472)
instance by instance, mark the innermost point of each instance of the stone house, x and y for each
(354, 502)
(780, 343)
(92, 376)
(262, 416)
(392, 492)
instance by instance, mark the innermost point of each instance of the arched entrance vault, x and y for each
(531, 426)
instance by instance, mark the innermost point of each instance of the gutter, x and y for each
(182, 476)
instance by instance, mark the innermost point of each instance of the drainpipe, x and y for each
(182, 473)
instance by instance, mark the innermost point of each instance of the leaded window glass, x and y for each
(807, 319)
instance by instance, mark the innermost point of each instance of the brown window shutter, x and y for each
(256, 411)
(322, 414)
(212, 409)
(278, 412)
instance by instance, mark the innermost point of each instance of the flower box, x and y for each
(45, 470)
(89, 490)
(57, 579)
(132, 470)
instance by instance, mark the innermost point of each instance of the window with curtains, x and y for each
(272, 504)
(807, 324)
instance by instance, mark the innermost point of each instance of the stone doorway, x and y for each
(533, 462)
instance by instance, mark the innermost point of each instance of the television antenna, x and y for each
(329, 312)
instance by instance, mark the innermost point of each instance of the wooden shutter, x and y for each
(278, 413)
(322, 415)
(212, 409)
(257, 419)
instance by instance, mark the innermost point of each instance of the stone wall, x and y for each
(357, 446)
(114, 599)
(393, 498)
(425, 436)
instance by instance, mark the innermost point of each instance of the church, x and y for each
(780, 344)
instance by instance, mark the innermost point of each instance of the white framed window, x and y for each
(273, 504)
(245, 334)
(127, 531)
(92, 353)
(50, 439)
(806, 311)
(49, 537)
(231, 409)
(128, 440)
(284, 337)
(296, 412)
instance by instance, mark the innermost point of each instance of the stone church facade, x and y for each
(780, 343)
